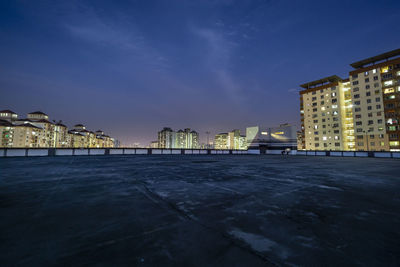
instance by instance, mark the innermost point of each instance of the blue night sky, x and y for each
(133, 67)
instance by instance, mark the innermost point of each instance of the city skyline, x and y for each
(212, 66)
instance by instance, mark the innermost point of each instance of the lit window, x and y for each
(388, 90)
(388, 83)
(385, 69)
(324, 138)
(374, 71)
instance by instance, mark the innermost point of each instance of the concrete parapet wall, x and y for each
(310, 153)
(141, 151)
(382, 154)
(129, 151)
(396, 155)
(97, 151)
(361, 154)
(18, 152)
(273, 152)
(336, 153)
(253, 151)
(116, 151)
(38, 152)
(31, 152)
(64, 152)
(81, 152)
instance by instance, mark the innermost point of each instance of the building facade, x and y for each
(221, 141)
(326, 115)
(230, 140)
(167, 138)
(37, 131)
(359, 113)
(280, 137)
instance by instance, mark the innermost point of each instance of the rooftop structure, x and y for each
(376, 59)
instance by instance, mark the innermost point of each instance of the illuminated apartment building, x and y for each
(61, 132)
(6, 133)
(360, 113)
(192, 139)
(167, 138)
(375, 84)
(8, 115)
(326, 115)
(230, 140)
(37, 131)
(28, 135)
(221, 141)
(236, 141)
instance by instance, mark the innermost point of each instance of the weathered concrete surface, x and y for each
(215, 210)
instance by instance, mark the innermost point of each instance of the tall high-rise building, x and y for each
(180, 139)
(167, 138)
(375, 84)
(326, 115)
(359, 113)
(221, 141)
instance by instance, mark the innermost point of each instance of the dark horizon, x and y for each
(135, 67)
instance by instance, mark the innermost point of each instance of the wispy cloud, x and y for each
(220, 52)
(120, 35)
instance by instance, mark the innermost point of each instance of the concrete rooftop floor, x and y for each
(196, 210)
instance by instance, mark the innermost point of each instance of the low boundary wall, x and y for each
(34, 152)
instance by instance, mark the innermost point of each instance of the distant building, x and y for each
(192, 139)
(6, 133)
(29, 135)
(180, 141)
(167, 138)
(154, 144)
(37, 115)
(8, 115)
(37, 131)
(230, 140)
(281, 137)
(221, 141)
(236, 141)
